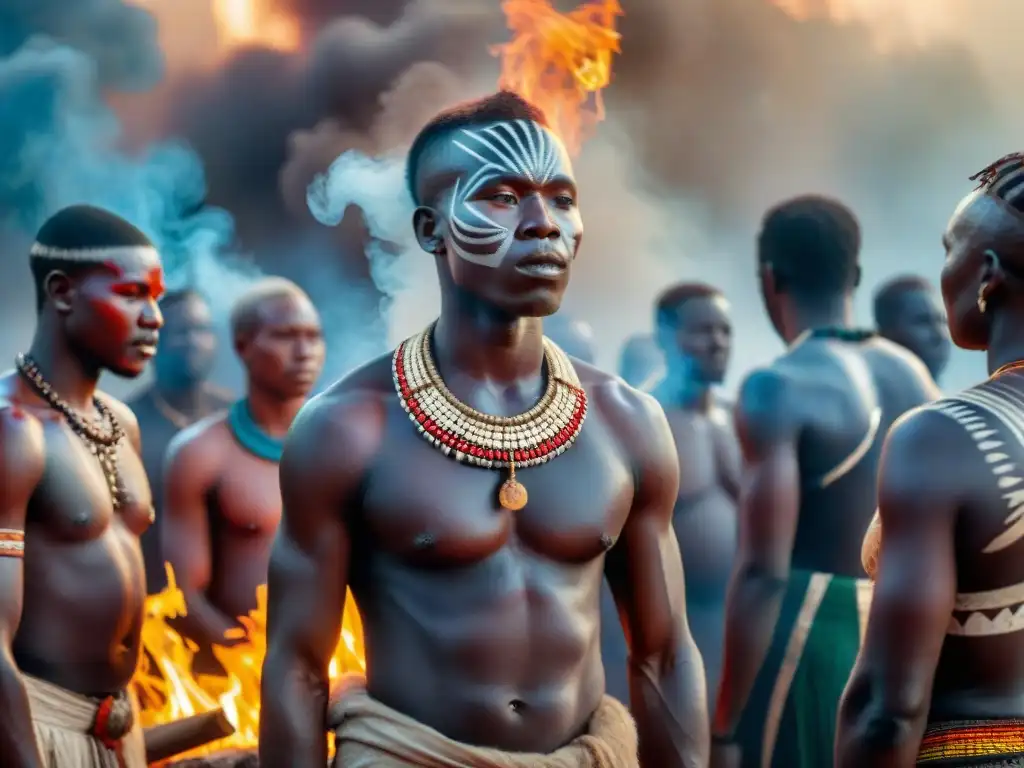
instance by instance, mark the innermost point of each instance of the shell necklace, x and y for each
(495, 442)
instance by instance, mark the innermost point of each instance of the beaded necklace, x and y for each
(854, 335)
(495, 442)
(102, 441)
(251, 436)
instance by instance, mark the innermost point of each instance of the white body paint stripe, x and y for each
(518, 147)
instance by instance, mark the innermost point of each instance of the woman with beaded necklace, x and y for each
(940, 679)
(76, 500)
(473, 489)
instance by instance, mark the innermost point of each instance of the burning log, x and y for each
(228, 759)
(181, 736)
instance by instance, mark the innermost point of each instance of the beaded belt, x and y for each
(967, 739)
(114, 720)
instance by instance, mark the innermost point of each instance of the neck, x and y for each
(486, 345)
(686, 393)
(73, 380)
(189, 398)
(272, 414)
(830, 313)
(1005, 342)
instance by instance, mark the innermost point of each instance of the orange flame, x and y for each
(560, 62)
(168, 690)
(255, 23)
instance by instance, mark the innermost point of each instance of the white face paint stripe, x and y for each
(514, 147)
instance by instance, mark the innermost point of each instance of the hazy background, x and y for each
(208, 138)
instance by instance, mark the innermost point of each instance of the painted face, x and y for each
(286, 355)
(188, 343)
(114, 314)
(510, 220)
(978, 223)
(920, 326)
(701, 341)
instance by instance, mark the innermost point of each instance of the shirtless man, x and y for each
(810, 428)
(75, 500)
(179, 396)
(640, 362)
(221, 494)
(695, 336)
(475, 563)
(940, 678)
(908, 312)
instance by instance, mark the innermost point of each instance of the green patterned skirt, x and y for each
(790, 719)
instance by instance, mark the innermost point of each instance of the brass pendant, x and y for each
(512, 495)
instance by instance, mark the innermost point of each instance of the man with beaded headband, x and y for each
(222, 502)
(473, 489)
(810, 426)
(76, 500)
(940, 676)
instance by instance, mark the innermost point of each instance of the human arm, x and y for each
(22, 459)
(331, 443)
(768, 511)
(667, 689)
(191, 468)
(885, 706)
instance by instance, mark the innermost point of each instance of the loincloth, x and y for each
(790, 718)
(369, 734)
(973, 744)
(66, 731)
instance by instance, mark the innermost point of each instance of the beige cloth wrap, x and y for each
(369, 734)
(63, 721)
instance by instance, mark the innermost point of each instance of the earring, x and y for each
(982, 302)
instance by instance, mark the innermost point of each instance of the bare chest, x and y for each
(429, 510)
(73, 501)
(248, 496)
(708, 455)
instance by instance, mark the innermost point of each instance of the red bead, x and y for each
(420, 418)
(430, 426)
(533, 453)
(518, 455)
(490, 455)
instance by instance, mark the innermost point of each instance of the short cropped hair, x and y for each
(246, 315)
(889, 294)
(672, 299)
(73, 239)
(498, 107)
(812, 244)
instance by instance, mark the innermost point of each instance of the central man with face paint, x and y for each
(473, 489)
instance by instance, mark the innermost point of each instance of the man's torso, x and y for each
(844, 397)
(84, 575)
(479, 620)
(244, 509)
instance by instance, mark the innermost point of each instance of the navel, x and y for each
(516, 706)
(424, 541)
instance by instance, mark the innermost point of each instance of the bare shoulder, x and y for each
(22, 443)
(201, 445)
(927, 453)
(345, 419)
(635, 417)
(767, 396)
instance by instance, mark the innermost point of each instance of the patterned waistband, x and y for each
(971, 738)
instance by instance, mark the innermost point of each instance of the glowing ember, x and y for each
(560, 62)
(255, 23)
(168, 690)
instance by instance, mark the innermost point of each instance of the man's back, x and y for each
(844, 395)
